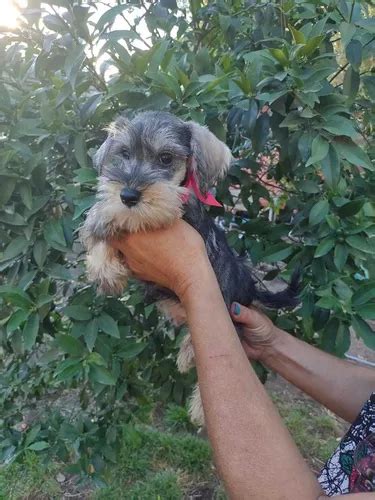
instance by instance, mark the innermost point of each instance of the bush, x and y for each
(288, 85)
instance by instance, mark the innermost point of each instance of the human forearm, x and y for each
(339, 385)
(253, 450)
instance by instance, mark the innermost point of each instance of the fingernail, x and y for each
(236, 308)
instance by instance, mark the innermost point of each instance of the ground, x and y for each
(167, 461)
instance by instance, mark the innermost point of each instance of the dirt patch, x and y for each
(358, 348)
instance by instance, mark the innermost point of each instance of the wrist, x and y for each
(200, 282)
(275, 348)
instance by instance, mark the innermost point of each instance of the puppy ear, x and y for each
(212, 157)
(114, 130)
(101, 155)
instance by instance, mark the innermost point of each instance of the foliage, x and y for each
(293, 76)
(145, 471)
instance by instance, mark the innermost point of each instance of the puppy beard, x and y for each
(159, 206)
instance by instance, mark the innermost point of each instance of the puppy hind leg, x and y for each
(196, 412)
(185, 358)
(105, 268)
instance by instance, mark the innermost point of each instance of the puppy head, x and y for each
(143, 164)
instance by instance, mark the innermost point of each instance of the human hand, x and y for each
(173, 258)
(259, 334)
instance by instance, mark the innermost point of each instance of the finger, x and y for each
(246, 315)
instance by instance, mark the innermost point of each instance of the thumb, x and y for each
(248, 316)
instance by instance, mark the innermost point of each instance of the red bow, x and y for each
(192, 184)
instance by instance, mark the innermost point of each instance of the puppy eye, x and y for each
(166, 158)
(125, 154)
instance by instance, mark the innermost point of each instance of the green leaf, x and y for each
(38, 446)
(16, 247)
(83, 205)
(359, 243)
(131, 349)
(80, 313)
(16, 320)
(331, 167)
(354, 53)
(298, 36)
(364, 331)
(117, 35)
(73, 63)
(319, 150)
(340, 256)
(7, 187)
(12, 219)
(318, 212)
(311, 45)
(367, 311)
(58, 272)
(369, 84)
(347, 31)
(68, 370)
(329, 303)
(364, 294)
(101, 375)
(339, 125)
(95, 358)
(351, 208)
(280, 56)
(276, 255)
(342, 343)
(54, 235)
(26, 194)
(367, 24)
(324, 247)
(80, 151)
(16, 296)
(108, 325)
(351, 83)
(90, 334)
(70, 345)
(32, 434)
(110, 15)
(40, 250)
(30, 331)
(353, 154)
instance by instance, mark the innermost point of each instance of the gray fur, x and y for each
(132, 157)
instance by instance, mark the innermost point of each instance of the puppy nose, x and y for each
(130, 197)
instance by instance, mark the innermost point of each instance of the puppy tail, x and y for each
(288, 298)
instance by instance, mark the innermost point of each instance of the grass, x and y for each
(157, 464)
(167, 461)
(314, 431)
(29, 479)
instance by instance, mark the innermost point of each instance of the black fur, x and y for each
(235, 276)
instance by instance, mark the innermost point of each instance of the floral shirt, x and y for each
(351, 468)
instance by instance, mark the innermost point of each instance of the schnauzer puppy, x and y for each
(153, 170)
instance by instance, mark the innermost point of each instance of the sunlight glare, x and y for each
(9, 13)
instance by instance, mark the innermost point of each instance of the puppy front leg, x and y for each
(105, 268)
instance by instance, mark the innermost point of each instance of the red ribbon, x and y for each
(192, 184)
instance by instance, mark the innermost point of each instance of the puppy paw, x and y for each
(106, 270)
(173, 310)
(185, 358)
(196, 412)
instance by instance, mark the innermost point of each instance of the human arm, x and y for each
(341, 386)
(253, 450)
